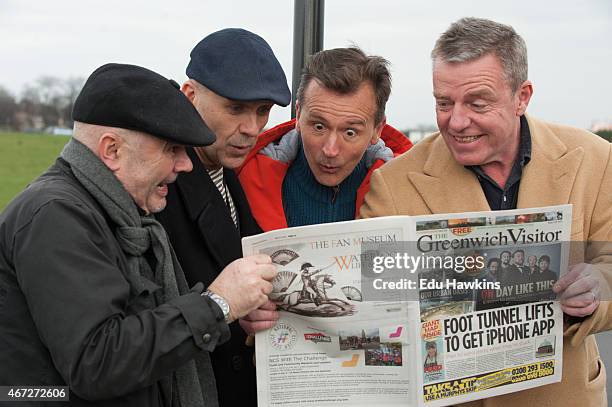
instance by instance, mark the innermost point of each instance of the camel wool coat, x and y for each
(568, 165)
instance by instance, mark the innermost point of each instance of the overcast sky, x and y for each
(569, 43)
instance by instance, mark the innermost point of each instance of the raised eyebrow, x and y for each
(315, 117)
(356, 123)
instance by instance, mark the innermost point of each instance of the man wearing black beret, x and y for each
(234, 80)
(91, 294)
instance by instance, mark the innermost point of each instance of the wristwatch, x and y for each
(220, 302)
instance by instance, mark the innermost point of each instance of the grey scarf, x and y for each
(136, 234)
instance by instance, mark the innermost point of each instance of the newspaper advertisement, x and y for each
(414, 311)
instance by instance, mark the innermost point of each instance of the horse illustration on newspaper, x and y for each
(313, 293)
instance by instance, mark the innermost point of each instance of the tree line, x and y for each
(46, 102)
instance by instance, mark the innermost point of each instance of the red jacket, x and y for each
(262, 176)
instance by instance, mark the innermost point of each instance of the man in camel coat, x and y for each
(489, 155)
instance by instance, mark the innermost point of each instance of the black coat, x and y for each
(68, 314)
(205, 239)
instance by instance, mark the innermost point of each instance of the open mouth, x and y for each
(466, 139)
(329, 169)
(242, 148)
(162, 189)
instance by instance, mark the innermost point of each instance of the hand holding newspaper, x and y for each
(413, 311)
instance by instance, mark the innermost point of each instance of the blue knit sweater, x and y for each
(306, 202)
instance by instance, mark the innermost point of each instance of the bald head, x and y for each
(91, 134)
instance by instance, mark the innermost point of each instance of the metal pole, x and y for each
(307, 38)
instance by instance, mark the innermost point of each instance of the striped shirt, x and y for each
(218, 180)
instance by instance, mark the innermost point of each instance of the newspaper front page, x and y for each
(490, 323)
(413, 311)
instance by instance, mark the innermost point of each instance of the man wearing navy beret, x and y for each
(91, 294)
(234, 81)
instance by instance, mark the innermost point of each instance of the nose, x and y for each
(250, 125)
(330, 147)
(459, 118)
(183, 162)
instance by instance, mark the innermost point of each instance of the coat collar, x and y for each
(447, 186)
(205, 207)
(549, 177)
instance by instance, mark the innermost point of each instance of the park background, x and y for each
(49, 48)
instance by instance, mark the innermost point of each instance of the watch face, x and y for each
(224, 307)
(221, 303)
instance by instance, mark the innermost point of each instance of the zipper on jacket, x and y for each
(335, 191)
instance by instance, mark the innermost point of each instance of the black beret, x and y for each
(239, 65)
(135, 98)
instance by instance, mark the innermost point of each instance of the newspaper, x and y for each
(414, 311)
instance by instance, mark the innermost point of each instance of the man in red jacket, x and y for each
(316, 169)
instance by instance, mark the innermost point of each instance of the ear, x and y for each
(297, 116)
(524, 94)
(110, 149)
(378, 131)
(188, 90)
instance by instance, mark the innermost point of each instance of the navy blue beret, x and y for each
(135, 98)
(239, 65)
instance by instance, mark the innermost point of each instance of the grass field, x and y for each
(24, 157)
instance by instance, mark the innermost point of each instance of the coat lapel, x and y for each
(462, 194)
(207, 209)
(549, 177)
(247, 223)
